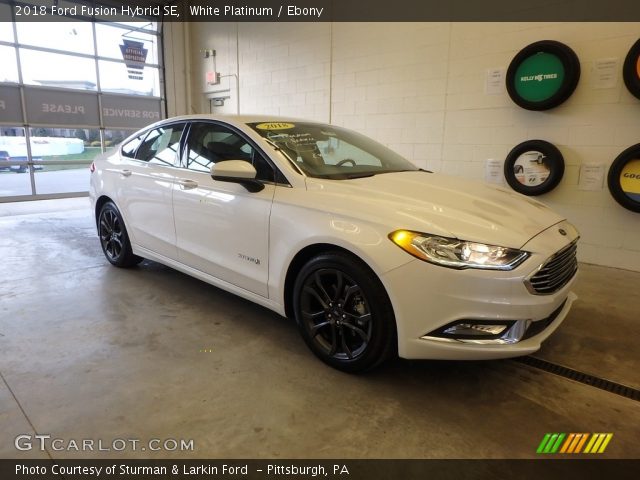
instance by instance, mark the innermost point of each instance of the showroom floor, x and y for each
(92, 351)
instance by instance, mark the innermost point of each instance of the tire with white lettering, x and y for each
(624, 178)
(534, 167)
(344, 313)
(543, 75)
(631, 70)
(114, 238)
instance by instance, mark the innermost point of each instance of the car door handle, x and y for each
(126, 173)
(187, 184)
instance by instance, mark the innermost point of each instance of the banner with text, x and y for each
(10, 109)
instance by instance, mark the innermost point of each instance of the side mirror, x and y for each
(237, 171)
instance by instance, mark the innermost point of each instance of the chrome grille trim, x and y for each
(555, 273)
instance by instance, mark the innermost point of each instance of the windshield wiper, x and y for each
(351, 176)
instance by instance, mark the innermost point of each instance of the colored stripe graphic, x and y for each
(598, 443)
(573, 443)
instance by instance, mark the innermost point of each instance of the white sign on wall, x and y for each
(493, 171)
(494, 83)
(591, 177)
(605, 73)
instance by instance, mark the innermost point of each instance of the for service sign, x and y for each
(10, 109)
(129, 112)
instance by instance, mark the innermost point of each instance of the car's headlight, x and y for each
(454, 253)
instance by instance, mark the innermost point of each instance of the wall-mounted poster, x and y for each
(624, 178)
(534, 167)
(631, 70)
(543, 75)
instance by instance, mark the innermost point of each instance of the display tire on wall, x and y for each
(624, 178)
(543, 75)
(114, 238)
(631, 70)
(534, 167)
(343, 313)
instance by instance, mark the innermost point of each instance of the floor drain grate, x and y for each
(587, 379)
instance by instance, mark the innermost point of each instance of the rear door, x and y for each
(221, 228)
(146, 183)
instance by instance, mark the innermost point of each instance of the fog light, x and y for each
(475, 329)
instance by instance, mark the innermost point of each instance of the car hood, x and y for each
(440, 205)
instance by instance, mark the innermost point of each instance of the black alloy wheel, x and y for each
(343, 313)
(114, 238)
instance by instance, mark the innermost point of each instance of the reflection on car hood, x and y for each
(438, 204)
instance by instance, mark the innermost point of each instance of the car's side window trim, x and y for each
(142, 136)
(185, 138)
(145, 134)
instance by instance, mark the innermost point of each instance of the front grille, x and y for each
(556, 272)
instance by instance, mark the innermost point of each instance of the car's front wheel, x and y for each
(114, 238)
(344, 313)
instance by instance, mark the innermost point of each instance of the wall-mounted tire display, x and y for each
(624, 178)
(534, 167)
(543, 75)
(631, 70)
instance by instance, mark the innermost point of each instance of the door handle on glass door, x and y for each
(187, 184)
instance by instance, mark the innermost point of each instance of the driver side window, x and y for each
(210, 143)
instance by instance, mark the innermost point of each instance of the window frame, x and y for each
(278, 176)
(145, 133)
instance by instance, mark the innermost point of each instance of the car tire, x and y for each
(631, 70)
(629, 200)
(344, 313)
(114, 239)
(553, 160)
(571, 67)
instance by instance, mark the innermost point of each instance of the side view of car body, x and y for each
(371, 255)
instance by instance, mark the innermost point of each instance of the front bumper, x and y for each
(428, 297)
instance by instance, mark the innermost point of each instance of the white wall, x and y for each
(419, 88)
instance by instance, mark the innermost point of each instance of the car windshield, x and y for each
(327, 151)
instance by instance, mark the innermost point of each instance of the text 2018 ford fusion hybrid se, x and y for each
(371, 255)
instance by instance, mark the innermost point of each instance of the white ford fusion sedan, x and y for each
(372, 256)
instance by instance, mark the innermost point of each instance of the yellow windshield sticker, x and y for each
(275, 126)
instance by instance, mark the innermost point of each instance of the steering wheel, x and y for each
(346, 160)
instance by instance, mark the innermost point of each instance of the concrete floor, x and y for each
(91, 351)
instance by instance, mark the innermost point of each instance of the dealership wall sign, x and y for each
(534, 167)
(624, 178)
(135, 56)
(631, 70)
(543, 75)
(10, 109)
(69, 108)
(126, 112)
(58, 107)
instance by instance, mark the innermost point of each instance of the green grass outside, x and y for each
(89, 154)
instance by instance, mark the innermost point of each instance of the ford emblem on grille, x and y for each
(562, 232)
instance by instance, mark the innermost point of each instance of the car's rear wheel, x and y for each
(344, 313)
(114, 238)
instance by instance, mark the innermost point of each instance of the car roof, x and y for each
(237, 119)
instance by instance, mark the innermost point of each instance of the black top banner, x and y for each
(326, 10)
